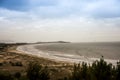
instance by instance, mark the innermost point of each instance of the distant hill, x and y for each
(53, 42)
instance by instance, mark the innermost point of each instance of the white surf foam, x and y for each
(30, 49)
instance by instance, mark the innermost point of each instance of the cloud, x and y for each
(63, 8)
(92, 8)
(71, 20)
(104, 9)
(69, 29)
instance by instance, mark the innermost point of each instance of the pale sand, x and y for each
(57, 56)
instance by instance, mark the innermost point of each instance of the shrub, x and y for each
(37, 72)
(17, 75)
(118, 71)
(5, 76)
(99, 70)
(80, 72)
(1, 64)
(16, 63)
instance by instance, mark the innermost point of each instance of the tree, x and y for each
(5, 76)
(118, 71)
(37, 72)
(17, 75)
(101, 70)
(80, 72)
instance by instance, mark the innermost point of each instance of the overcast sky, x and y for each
(53, 20)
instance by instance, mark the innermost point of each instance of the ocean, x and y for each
(110, 50)
(75, 52)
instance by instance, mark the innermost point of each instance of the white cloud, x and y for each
(72, 28)
(68, 20)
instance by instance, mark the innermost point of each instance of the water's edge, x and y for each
(30, 49)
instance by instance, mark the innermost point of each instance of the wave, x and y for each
(58, 56)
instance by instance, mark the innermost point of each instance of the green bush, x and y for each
(80, 72)
(16, 63)
(17, 75)
(118, 71)
(5, 76)
(99, 70)
(37, 72)
(1, 64)
(19, 64)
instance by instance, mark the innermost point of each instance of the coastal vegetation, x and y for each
(14, 66)
(99, 70)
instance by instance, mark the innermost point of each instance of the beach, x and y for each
(13, 61)
(60, 56)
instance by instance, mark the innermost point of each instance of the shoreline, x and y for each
(21, 53)
(57, 57)
(13, 61)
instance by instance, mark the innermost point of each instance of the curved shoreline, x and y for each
(31, 50)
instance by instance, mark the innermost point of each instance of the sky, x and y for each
(60, 20)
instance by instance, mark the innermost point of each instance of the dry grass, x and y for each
(11, 56)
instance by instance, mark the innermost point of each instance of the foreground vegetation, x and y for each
(99, 70)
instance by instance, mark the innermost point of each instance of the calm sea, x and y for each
(110, 50)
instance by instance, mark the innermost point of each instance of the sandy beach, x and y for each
(14, 61)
